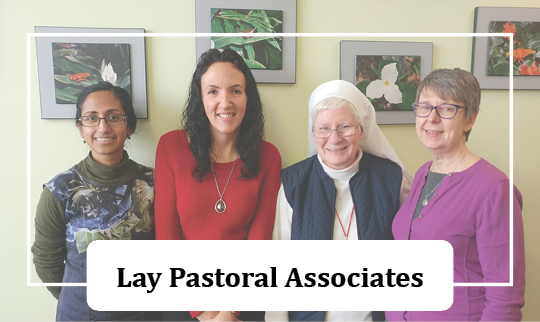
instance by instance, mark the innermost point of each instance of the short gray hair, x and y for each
(455, 84)
(334, 103)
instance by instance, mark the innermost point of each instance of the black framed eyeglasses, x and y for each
(111, 120)
(445, 111)
(325, 132)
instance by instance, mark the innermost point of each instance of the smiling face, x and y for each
(336, 151)
(223, 88)
(442, 136)
(106, 142)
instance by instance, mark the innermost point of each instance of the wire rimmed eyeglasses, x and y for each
(325, 132)
(445, 111)
(111, 120)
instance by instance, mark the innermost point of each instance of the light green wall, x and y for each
(56, 144)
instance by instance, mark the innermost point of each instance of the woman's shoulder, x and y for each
(424, 168)
(173, 142)
(375, 161)
(486, 172)
(61, 183)
(270, 156)
(269, 150)
(300, 168)
(173, 136)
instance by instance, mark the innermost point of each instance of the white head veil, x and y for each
(373, 141)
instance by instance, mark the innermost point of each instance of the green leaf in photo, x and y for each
(68, 67)
(220, 42)
(76, 61)
(229, 26)
(534, 42)
(362, 86)
(275, 22)
(216, 26)
(377, 71)
(250, 51)
(62, 52)
(385, 62)
(69, 94)
(274, 42)
(239, 50)
(231, 14)
(274, 58)
(254, 64)
(124, 81)
(408, 95)
(502, 68)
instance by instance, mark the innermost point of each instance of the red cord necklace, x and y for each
(350, 221)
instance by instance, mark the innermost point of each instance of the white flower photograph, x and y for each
(389, 82)
(77, 66)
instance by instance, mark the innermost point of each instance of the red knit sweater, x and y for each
(184, 207)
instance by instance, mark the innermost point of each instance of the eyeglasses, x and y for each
(111, 119)
(445, 111)
(343, 130)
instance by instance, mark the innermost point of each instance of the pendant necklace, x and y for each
(350, 221)
(221, 206)
(425, 201)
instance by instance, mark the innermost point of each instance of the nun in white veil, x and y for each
(373, 141)
(349, 188)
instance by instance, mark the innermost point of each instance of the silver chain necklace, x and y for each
(425, 201)
(221, 206)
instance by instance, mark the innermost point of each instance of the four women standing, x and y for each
(217, 179)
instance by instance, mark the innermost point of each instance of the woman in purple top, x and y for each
(463, 199)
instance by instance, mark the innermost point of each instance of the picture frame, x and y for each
(350, 50)
(483, 16)
(287, 73)
(50, 108)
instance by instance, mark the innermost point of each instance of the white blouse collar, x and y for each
(343, 174)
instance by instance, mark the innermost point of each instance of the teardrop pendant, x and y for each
(220, 206)
(424, 202)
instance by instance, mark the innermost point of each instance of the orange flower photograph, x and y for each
(525, 48)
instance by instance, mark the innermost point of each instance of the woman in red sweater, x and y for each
(217, 178)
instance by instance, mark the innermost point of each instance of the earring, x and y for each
(84, 141)
(129, 137)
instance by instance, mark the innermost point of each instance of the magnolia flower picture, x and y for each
(389, 82)
(525, 48)
(79, 65)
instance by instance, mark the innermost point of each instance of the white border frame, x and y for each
(349, 49)
(338, 35)
(482, 17)
(49, 108)
(287, 75)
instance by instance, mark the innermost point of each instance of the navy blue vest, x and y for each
(311, 193)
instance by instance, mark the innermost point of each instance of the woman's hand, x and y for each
(217, 316)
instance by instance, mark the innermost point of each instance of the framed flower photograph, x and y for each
(271, 59)
(491, 62)
(388, 73)
(79, 65)
(68, 64)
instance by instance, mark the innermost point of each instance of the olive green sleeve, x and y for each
(49, 248)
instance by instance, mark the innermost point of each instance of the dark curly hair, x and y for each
(121, 94)
(197, 126)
